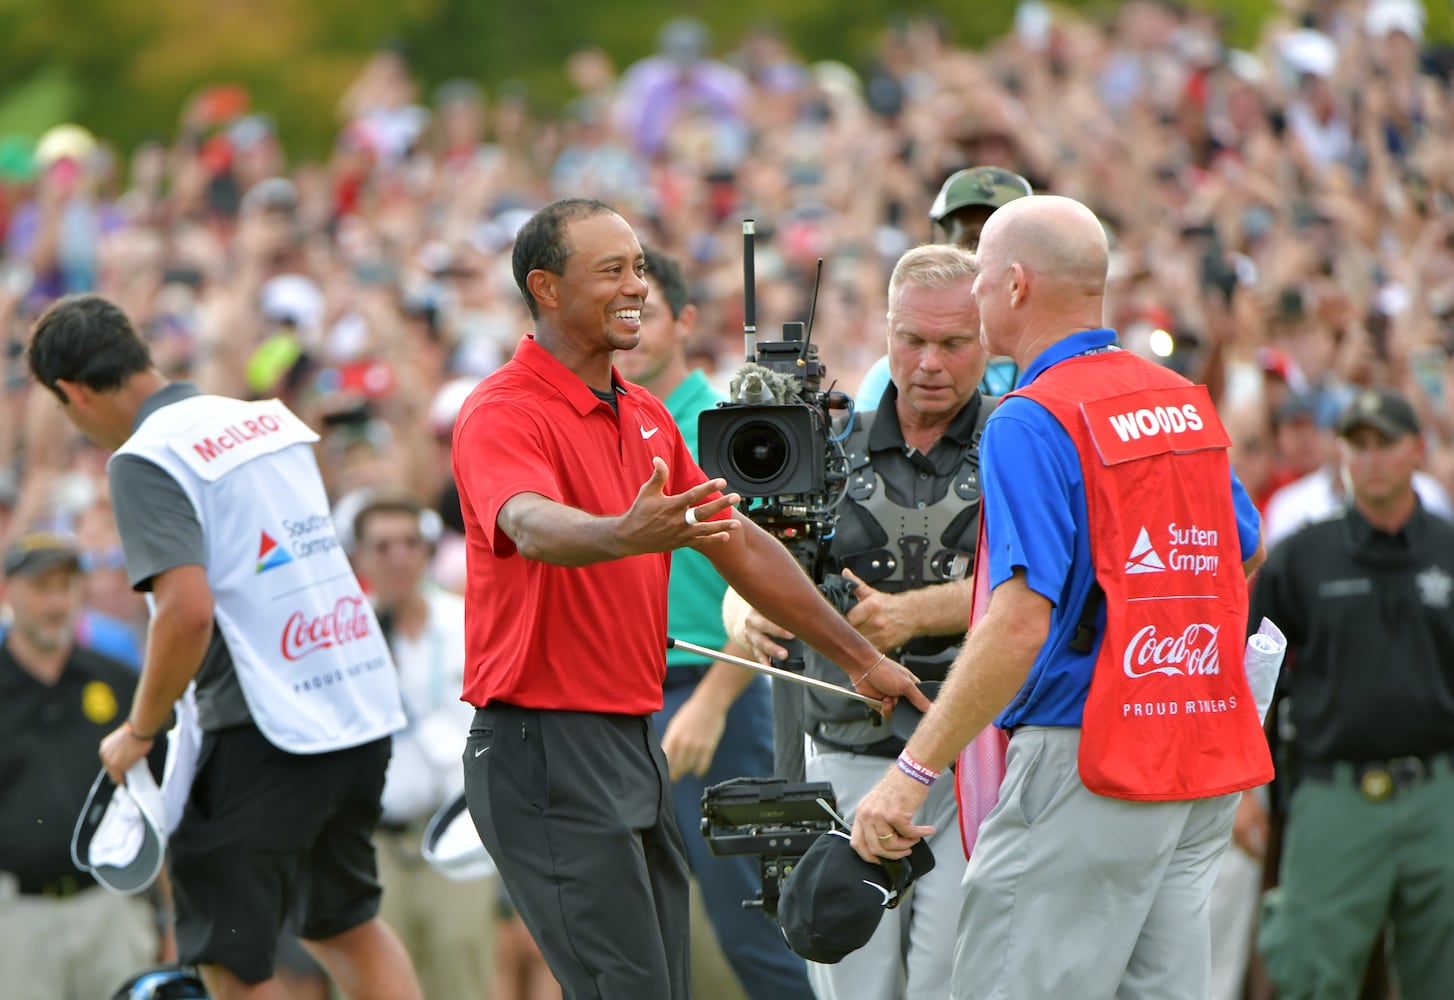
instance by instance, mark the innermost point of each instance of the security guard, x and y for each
(1366, 598)
(904, 541)
(61, 936)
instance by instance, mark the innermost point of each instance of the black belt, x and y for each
(59, 887)
(1379, 779)
(888, 748)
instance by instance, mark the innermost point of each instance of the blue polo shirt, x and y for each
(1036, 520)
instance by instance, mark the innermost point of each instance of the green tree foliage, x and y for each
(127, 69)
(135, 65)
(34, 105)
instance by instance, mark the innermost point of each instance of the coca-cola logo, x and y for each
(1192, 652)
(347, 621)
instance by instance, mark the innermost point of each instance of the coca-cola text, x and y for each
(349, 620)
(1192, 652)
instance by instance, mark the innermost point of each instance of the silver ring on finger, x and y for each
(691, 515)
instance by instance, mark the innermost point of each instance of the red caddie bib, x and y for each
(1169, 714)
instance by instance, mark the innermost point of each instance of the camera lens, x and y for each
(759, 452)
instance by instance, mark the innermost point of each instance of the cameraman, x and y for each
(964, 204)
(905, 540)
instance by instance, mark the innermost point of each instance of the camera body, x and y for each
(766, 449)
(775, 819)
(773, 442)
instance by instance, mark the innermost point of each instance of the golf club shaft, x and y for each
(787, 675)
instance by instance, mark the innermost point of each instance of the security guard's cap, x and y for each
(1382, 409)
(39, 552)
(988, 186)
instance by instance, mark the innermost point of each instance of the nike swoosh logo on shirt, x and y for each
(481, 750)
(646, 434)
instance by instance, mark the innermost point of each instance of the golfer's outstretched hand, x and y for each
(658, 521)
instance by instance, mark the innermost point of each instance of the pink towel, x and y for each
(977, 775)
(980, 766)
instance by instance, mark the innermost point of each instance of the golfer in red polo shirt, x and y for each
(576, 487)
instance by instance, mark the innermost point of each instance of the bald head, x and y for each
(1056, 239)
(1042, 262)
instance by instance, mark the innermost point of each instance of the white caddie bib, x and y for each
(309, 655)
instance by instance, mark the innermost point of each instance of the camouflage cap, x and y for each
(989, 186)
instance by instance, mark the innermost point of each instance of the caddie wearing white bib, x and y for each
(224, 522)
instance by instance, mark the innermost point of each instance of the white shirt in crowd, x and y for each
(424, 771)
(1313, 498)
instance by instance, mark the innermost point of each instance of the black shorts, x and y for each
(268, 837)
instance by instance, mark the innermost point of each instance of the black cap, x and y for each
(1382, 409)
(36, 553)
(833, 900)
(122, 848)
(905, 718)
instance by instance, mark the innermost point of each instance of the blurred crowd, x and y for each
(1279, 217)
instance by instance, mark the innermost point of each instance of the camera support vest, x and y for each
(920, 553)
(1169, 714)
(310, 658)
(925, 554)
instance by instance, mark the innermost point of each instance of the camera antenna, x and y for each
(749, 301)
(812, 308)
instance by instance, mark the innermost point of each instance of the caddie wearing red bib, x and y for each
(1118, 544)
(1163, 719)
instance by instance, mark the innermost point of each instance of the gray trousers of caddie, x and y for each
(1073, 894)
(575, 808)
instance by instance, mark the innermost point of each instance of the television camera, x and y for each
(775, 442)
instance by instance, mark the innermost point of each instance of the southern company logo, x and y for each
(302, 538)
(271, 555)
(1143, 558)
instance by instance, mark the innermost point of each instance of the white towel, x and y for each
(119, 836)
(1263, 661)
(184, 743)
